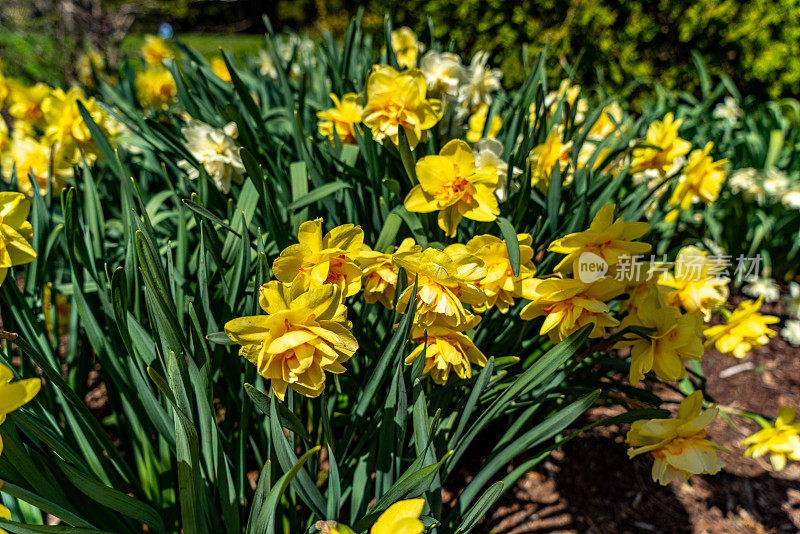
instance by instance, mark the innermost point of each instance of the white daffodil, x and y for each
(481, 82)
(763, 287)
(791, 332)
(792, 300)
(443, 71)
(216, 150)
(488, 153)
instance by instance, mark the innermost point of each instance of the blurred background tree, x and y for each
(611, 42)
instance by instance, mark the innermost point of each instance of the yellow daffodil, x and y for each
(318, 260)
(304, 335)
(607, 238)
(568, 304)
(638, 282)
(5, 513)
(500, 286)
(477, 122)
(379, 273)
(65, 127)
(701, 180)
(4, 87)
(155, 88)
(220, 69)
(543, 159)
(444, 285)
(678, 446)
(406, 47)
(695, 283)
(587, 152)
(675, 338)
(397, 100)
(25, 103)
(5, 139)
(155, 50)
(664, 146)
(15, 232)
(566, 92)
(29, 156)
(14, 394)
(780, 440)
(744, 330)
(452, 184)
(90, 60)
(342, 118)
(401, 518)
(444, 350)
(606, 124)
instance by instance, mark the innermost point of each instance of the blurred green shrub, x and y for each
(756, 42)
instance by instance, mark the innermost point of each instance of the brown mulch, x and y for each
(592, 486)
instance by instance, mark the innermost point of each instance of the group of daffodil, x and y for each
(48, 137)
(661, 318)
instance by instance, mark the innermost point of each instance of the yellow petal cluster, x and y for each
(674, 338)
(155, 88)
(607, 238)
(380, 274)
(304, 335)
(155, 50)
(406, 47)
(446, 281)
(607, 123)
(544, 158)
(342, 118)
(781, 440)
(221, 69)
(444, 285)
(453, 185)
(48, 134)
(663, 146)
(567, 304)
(14, 394)
(15, 233)
(398, 100)
(444, 350)
(695, 283)
(701, 179)
(401, 518)
(31, 157)
(746, 329)
(500, 286)
(25, 102)
(678, 446)
(65, 125)
(477, 123)
(319, 259)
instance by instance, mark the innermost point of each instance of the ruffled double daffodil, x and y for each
(678, 446)
(323, 259)
(453, 185)
(304, 335)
